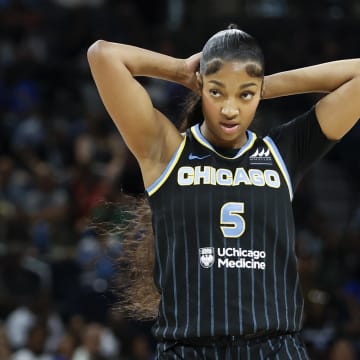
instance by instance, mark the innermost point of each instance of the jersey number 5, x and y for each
(232, 224)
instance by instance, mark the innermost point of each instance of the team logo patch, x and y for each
(207, 257)
(261, 156)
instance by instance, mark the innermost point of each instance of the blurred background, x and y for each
(61, 161)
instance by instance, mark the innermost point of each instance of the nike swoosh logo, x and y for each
(196, 157)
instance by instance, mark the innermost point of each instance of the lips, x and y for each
(229, 128)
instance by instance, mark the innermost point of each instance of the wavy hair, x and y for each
(137, 294)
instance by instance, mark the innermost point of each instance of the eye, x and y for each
(214, 92)
(248, 95)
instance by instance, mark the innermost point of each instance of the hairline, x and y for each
(222, 62)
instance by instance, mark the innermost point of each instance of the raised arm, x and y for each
(339, 110)
(150, 136)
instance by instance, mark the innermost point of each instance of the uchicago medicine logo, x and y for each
(207, 257)
(232, 258)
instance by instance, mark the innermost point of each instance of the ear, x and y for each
(199, 83)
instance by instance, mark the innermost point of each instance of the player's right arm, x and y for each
(150, 136)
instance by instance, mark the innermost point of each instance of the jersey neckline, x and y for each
(251, 137)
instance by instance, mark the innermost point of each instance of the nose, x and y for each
(229, 111)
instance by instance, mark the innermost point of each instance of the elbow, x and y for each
(97, 51)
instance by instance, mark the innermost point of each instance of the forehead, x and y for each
(235, 71)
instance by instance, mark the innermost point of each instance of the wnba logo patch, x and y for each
(207, 257)
(261, 157)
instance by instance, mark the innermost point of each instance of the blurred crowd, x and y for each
(62, 163)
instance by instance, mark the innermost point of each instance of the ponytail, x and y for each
(192, 112)
(137, 296)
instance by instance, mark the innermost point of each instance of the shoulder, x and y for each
(300, 130)
(301, 121)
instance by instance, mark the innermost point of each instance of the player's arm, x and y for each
(339, 110)
(150, 136)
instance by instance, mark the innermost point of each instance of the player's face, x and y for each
(230, 97)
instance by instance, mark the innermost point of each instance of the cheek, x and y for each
(251, 108)
(209, 106)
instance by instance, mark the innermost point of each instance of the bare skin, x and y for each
(153, 139)
(230, 99)
(150, 136)
(339, 110)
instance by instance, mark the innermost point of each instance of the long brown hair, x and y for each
(138, 297)
(192, 111)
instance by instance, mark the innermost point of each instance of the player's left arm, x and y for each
(339, 110)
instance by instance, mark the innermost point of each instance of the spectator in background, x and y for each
(342, 350)
(46, 206)
(5, 351)
(97, 257)
(90, 346)
(100, 148)
(349, 321)
(13, 182)
(319, 327)
(87, 189)
(140, 348)
(13, 186)
(23, 318)
(35, 344)
(98, 343)
(66, 348)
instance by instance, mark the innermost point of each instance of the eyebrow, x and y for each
(243, 86)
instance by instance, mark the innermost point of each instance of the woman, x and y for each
(225, 266)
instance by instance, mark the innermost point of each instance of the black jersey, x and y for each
(224, 233)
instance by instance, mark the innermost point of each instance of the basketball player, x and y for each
(225, 265)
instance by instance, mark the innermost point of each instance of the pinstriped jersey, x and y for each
(224, 233)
